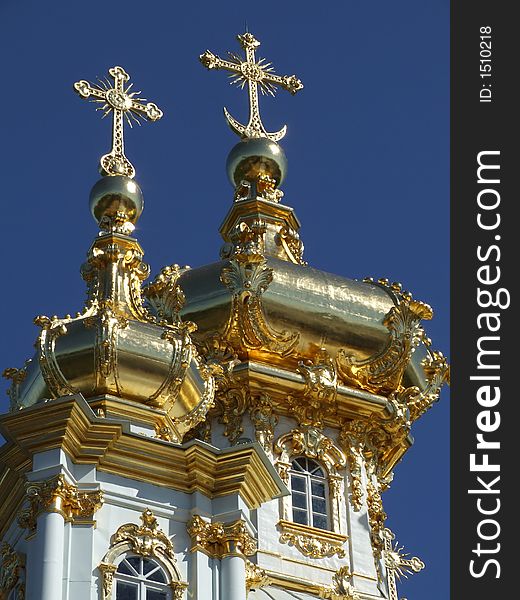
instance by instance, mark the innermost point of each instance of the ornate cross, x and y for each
(397, 563)
(118, 99)
(255, 74)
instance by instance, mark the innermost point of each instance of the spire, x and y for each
(257, 165)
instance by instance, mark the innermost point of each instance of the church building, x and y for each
(224, 432)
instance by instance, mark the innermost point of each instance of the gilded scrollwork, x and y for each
(315, 543)
(246, 242)
(437, 373)
(148, 540)
(247, 327)
(11, 565)
(342, 588)
(290, 241)
(264, 419)
(218, 539)
(231, 402)
(17, 377)
(383, 372)
(256, 577)
(318, 398)
(57, 495)
(311, 442)
(164, 294)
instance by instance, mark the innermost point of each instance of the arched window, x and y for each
(309, 493)
(141, 578)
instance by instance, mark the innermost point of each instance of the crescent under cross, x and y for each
(255, 74)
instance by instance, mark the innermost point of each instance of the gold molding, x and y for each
(312, 542)
(219, 540)
(59, 496)
(108, 444)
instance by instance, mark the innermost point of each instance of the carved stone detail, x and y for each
(57, 495)
(218, 539)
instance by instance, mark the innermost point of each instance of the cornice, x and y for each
(69, 423)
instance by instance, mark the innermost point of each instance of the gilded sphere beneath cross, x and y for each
(253, 157)
(116, 198)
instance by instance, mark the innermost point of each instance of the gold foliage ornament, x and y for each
(57, 495)
(342, 588)
(247, 328)
(383, 373)
(11, 564)
(146, 539)
(218, 539)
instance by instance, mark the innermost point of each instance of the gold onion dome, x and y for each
(119, 356)
(322, 347)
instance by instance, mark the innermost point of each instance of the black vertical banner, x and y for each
(485, 429)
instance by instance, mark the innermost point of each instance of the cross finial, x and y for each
(116, 98)
(254, 74)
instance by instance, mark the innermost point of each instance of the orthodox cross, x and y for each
(254, 74)
(397, 563)
(116, 98)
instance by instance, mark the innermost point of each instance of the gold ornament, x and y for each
(254, 74)
(117, 99)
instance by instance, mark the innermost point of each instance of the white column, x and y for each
(233, 578)
(201, 575)
(45, 559)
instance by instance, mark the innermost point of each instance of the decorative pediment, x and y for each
(148, 540)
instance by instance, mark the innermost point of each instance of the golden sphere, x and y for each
(114, 196)
(253, 157)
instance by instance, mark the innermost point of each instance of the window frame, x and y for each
(307, 475)
(141, 582)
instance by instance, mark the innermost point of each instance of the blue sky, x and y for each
(368, 151)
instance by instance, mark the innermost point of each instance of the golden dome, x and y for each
(116, 347)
